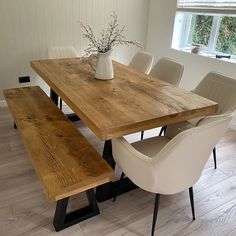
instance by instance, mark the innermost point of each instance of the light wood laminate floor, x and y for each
(24, 209)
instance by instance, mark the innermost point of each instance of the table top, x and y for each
(129, 103)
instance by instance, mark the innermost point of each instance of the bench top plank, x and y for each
(64, 160)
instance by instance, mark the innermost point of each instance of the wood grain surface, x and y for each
(129, 103)
(64, 160)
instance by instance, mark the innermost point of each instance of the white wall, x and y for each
(159, 38)
(161, 24)
(29, 27)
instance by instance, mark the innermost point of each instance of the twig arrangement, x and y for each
(109, 38)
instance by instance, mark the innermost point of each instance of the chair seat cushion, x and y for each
(151, 146)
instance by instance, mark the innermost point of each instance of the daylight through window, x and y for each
(209, 24)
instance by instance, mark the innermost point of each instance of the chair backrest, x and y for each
(180, 163)
(168, 70)
(218, 88)
(61, 52)
(142, 62)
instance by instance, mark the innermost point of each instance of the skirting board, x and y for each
(3, 103)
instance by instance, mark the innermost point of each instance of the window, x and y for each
(206, 23)
(226, 41)
(200, 29)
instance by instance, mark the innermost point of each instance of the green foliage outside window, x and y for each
(200, 29)
(226, 41)
(200, 32)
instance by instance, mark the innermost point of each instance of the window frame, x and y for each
(211, 47)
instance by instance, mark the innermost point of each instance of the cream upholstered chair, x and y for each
(169, 71)
(142, 62)
(218, 88)
(62, 52)
(167, 166)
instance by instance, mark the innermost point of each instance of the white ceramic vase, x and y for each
(104, 67)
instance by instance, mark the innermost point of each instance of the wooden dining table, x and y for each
(129, 103)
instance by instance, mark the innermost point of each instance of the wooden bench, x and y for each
(64, 160)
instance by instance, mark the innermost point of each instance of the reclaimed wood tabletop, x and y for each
(129, 103)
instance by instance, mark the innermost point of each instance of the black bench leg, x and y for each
(63, 220)
(15, 127)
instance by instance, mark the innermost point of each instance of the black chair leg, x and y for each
(60, 104)
(142, 134)
(163, 130)
(118, 185)
(214, 156)
(156, 207)
(192, 201)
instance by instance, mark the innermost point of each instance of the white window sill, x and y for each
(205, 54)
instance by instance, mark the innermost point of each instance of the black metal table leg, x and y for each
(107, 191)
(54, 97)
(107, 154)
(63, 220)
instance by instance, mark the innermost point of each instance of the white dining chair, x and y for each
(57, 52)
(169, 71)
(167, 166)
(142, 62)
(62, 52)
(218, 88)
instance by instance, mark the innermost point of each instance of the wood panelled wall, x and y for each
(29, 27)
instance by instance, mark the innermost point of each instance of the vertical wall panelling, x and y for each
(29, 27)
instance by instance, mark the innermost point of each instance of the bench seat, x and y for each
(65, 162)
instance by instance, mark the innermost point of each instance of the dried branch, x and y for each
(109, 38)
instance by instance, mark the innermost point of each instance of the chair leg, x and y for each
(163, 130)
(156, 207)
(192, 201)
(214, 156)
(142, 134)
(118, 185)
(60, 104)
